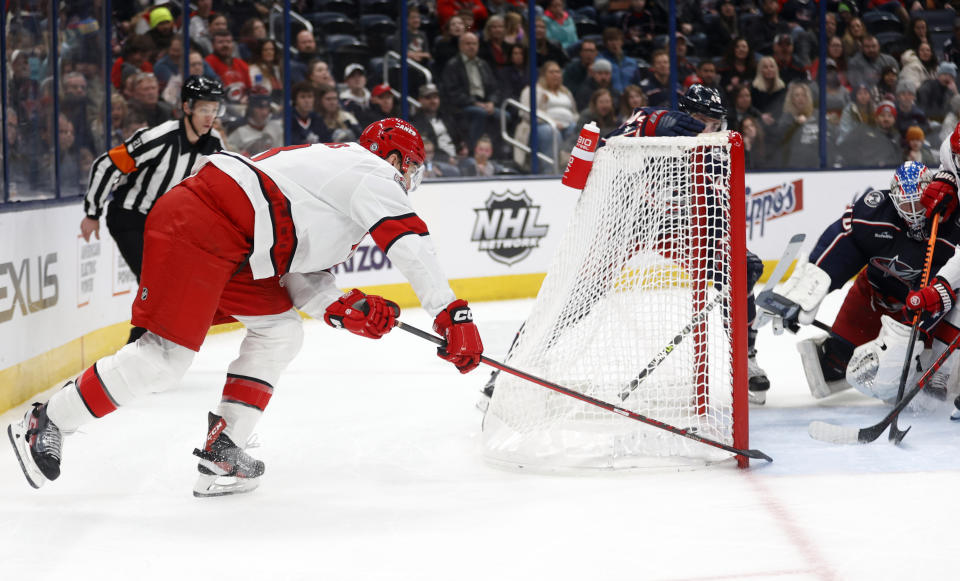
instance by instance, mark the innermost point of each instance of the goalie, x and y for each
(883, 236)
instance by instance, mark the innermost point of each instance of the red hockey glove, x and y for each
(366, 315)
(663, 123)
(936, 298)
(940, 196)
(455, 324)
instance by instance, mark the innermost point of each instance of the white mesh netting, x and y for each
(648, 248)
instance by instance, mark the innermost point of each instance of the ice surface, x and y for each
(374, 472)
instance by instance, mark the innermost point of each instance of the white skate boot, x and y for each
(37, 443)
(758, 384)
(224, 467)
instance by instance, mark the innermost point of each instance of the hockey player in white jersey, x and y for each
(249, 239)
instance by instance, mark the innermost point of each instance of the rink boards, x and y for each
(65, 302)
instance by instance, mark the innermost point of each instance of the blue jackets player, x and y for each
(883, 236)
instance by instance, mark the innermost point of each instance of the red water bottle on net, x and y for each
(581, 158)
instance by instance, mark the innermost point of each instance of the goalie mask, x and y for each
(905, 189)
(704, 104)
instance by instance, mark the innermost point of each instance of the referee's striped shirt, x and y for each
(145, 166)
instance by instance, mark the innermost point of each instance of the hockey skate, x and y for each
(757, 382)
(37, 442)
(224, 466)
(955, 416)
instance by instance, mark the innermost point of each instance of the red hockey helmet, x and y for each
(955, 147)
(394, 135)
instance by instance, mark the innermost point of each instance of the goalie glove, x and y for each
(362, 314)
(455, 325)
(940, 195)
(934, 298)
(663, 123)
(798, 301)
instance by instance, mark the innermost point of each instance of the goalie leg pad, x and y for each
(876, 366)
(821, 372)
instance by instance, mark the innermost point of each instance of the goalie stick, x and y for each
(757, 454)
(789, 254)
(896, 434)
(834, 434)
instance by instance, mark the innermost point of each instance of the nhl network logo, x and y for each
(506, 228)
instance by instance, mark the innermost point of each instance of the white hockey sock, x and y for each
(241, 420)
(67, 410)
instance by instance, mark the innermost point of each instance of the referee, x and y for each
(146, 165)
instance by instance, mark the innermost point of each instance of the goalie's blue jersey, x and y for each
(871, 234)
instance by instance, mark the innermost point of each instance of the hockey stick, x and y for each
(789, 254)
(659, 357)
(757, 454)
(896, 434)
(834, 434)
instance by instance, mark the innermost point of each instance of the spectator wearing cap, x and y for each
(870, 145)
(469, 87)
(308, 127)
(343, 126)
(355, 98)
(886, 88)
(600, 77)
(233, 71)
(382, 105)
(161, 28)
(917, 66)
(908, 113)
(624, 67)
(866, 66)
(790, 68)
(917, 148)
(259, 132)
(934, 95)
(432, 125)
(578, 69)
(762, 31)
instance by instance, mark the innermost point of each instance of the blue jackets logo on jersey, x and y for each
(506, 227)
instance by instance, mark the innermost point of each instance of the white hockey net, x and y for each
(648, 249)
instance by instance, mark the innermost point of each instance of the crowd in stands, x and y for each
(890, 76)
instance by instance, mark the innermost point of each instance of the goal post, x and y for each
(655, 249)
